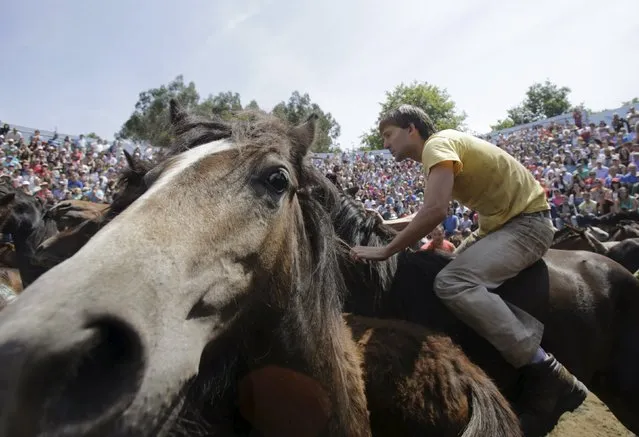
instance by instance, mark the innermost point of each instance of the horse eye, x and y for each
(278, 180)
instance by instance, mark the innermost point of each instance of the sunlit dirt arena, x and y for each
(592, 419)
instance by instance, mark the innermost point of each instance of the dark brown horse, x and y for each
(459, 396)
(67, 242)
(623, 231)
(71, 213)
(573, 238)
(619, 226)
(25, 218)
(588, 303)
(419, 383)
(624, 252)
(64, 244)
(224, 270)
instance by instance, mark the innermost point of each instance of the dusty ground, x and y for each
(592, 419)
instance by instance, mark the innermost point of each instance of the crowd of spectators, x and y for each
(54, 170)
(586, 170)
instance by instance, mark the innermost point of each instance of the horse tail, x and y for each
(491, 414)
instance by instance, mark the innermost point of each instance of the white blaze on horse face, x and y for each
(186, 160)
(182, 162)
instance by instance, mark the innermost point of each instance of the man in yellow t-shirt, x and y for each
(515, 230)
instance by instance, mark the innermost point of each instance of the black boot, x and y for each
(549, 390)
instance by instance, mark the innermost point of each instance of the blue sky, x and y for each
(79, 65)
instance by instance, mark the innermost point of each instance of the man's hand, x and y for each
(361, 253)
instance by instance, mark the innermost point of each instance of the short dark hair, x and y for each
(404, 115)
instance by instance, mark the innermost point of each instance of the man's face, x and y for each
(437, 235)
(397, 141)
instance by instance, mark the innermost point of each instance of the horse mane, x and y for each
(354, 225)
(569, 231)
(566, 233)
(357, 226)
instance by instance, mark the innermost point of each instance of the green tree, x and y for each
(298, 108)
(224, 105)
(253, 106)
(581, 107)
(543, 100)
(93, 136)
(434, 100)
(150, 120)
(502, 124)
(634, 101)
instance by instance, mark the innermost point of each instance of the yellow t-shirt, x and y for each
(487, 179)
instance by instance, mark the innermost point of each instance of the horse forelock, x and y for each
(249, 128)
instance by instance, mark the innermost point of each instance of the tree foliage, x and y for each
(435, 101)
(93, 136)
(503, 124)
(543, 100)
(634, 101)
(298, 108)
(150, 121)
(224, 105)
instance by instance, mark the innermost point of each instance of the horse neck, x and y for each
(310, 330)
(332, 358)
(363, 281)
(367, 284)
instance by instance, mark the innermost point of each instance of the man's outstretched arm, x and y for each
(436, 200)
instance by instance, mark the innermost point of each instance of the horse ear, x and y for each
(304, 135)
(129, 160)
(7, 198)
(178, 114)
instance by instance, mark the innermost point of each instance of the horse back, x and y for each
(412, 292)
(568, 292)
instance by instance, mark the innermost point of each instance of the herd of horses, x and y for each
(216, 296)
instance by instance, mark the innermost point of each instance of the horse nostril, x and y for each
(101, 377)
